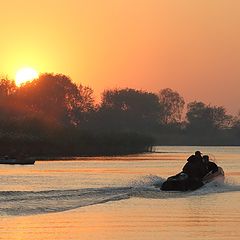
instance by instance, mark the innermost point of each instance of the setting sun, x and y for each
(24, 75)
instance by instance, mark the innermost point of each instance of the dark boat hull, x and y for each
(181, 182)
(17, 161)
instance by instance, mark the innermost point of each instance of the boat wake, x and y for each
(19, 203)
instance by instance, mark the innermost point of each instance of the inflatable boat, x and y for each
(181, 181)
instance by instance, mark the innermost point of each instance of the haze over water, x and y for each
(114, 198)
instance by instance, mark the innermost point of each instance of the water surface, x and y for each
(115, 198)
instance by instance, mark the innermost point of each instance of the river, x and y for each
(115, 198)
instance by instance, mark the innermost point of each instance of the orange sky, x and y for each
(190, 46)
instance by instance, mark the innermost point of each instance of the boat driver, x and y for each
(195, 167)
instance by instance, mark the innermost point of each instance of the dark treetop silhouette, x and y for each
(54, 116)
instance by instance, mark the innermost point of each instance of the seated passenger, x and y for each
(195, 167)
(209, 166)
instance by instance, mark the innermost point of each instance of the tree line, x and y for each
(52, 115)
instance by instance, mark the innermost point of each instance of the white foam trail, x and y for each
(29, 203)
(155, 192)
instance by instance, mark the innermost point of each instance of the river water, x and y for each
(115, 198)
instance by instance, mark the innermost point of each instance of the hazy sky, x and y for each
(191, 46)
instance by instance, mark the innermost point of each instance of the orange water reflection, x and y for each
(193, 218)
(211, 216)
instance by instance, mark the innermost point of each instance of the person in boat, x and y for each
(191, 176)
(196, 172)
(195, 167)
(210, 167)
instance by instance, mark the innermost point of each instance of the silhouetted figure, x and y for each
(209, 166)
(197, 171)
(195, 168)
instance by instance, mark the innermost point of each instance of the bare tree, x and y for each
(172, 105)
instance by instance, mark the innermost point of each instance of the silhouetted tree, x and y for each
(53, 115)
(129, 109)
(7, 87)
(235, 129)
(57, 97)
(172, 105)
(85, 105)
(203, 117)
(87, 100)
(7, 103)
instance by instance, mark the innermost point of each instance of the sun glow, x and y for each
(24, 75)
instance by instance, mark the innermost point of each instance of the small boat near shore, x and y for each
(21, 161)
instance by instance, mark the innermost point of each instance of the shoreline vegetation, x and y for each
(53, 117)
